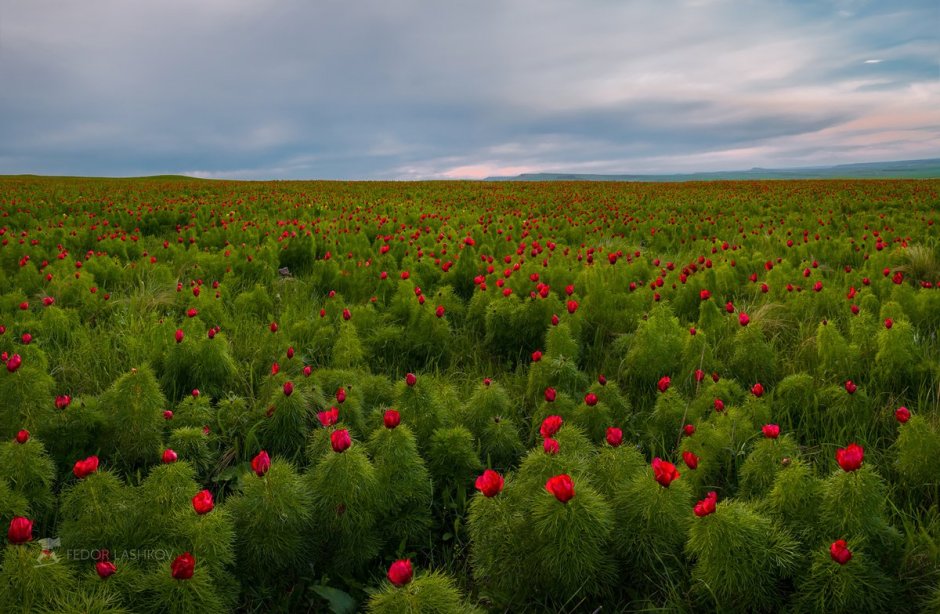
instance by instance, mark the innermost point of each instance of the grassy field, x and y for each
(739, 380)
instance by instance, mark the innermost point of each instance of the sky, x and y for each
(403, 89)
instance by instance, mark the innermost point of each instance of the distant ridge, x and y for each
(904, 169)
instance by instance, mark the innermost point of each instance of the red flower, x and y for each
(84, 468)
(757, 389)
(663, 384)
(490, 483)
(400, 572)
(550, 395)
(14, 362)
(707, 505)
(699, 375)
(411, 379)
(719, 405)
(183, 566)
(690, 459)
(550, 426)
(328, 417)
(168, 414)
(22, 436)
(850, 458)
(572, 306)
(439, 312)
(688, 430)
(614, 436)
(743, 319)
(105, 569)
(902, 414)
(536, 356)
(664, 472)
(290, 352)
(561, 486)
(704, 295)
(550, 446)
(179, 335)
(261, 463)
(346, 314)
(850, 387)
(340, 440)
(840, 552)
(391, 418)
(590, 399)
(20, 531)
(288, 388)
(169, 456)
(889, 323)
(771, 431)
(203, 502)
(273, 327)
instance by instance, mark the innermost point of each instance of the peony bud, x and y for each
(288, 388)
(590, 399)
(550, 395)
(664, 383)
(20, 531)
(411, 379)
(850, 387)
(690, 459)
(550, 446)
(169, 456)
(757, 389)
(902, 414)
(22, 436)
(261, 463)
(179, 335)
(719, 405)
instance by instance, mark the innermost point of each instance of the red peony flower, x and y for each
(183, 566)
(203, 502)
(22, 436)
(105, 569)
(179, 335)
(340, 440)
(850, 458)
(590, 399)
(550, 426)
(664, 383)
(771, 431)
(550, 395)
(707, 505)
(664, 472)
(84, 468)
(719, 405)
(561, 486)
(411, 379)
(391, 418)
(850, 387)
(14, 362)
(169, 456)
(690, 459)
(840, 552)
(688, 430)
(288, 388)
(328, 417)
(489, 483)
(757, 389)
(550, 446)
(902, 414)
(400, 572)
(743, 319)
(614, 436)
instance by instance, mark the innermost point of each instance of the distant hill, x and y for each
(905, 169)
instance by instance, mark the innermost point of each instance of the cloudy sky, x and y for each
(402, 89)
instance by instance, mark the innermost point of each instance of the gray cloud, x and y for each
(409, 89)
